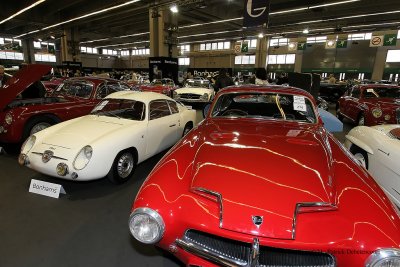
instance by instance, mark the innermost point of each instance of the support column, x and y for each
(261, 52)
(70, 45)
(163, 33)
(379, 64)
(28, 50)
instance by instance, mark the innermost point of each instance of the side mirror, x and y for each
(206, 109)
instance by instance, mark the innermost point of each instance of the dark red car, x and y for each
(162, 86)
(25, 108)
(370, 104)
(260, 182)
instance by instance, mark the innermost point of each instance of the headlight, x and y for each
(377, 112)
(8, 118)
(83, 158)
(174, 94)
(204, 97)
(146, 225)
(28, 144)
(383, 258)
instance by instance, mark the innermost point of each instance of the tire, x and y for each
(37, 124)
(361, 120)
(360, 154)
(187, 128)
(123, 167)
(338, 115)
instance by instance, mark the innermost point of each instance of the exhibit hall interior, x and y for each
(200, 133)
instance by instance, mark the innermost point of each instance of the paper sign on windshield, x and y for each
(299, 103)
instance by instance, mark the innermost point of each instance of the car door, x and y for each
(352, 104)
(161, 129)
(84, 102)
(176, 119)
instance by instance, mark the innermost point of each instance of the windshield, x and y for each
(81, 89)
(198, 83)
(120, 108)
(265, 105)
(387, 92)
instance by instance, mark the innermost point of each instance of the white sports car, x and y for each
(195, 92)
(123, 130)
(378, 150)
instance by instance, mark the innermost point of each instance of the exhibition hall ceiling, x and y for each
(123, 23)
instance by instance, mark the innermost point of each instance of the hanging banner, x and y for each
(256, 13)
(301, 46)
(341, 44)
(389, 39)
(376, 41)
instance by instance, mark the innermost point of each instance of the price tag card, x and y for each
(299, 103)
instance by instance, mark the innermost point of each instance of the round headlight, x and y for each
(175, 94)
(8, 118)
(383, 258)
(376, 112)
(28, 144)
(204, 96)
(83, 158)
(146, 225)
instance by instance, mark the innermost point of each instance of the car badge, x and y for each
(47, 155)
(257, 220)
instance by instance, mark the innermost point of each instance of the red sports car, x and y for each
(25, 108)
(370, 104)
(162, 86)
(260, 182)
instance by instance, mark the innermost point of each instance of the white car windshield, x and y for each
(121, 108)
(198, 83)
(275, 106)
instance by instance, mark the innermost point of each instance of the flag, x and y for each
(245, 47)
(341, 44)
(301, 46)
(376, 41)
(330, 44)
(292, 46)
(256, 13)
(389, 39)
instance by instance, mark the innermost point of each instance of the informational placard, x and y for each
(46, 189)
(299, 103)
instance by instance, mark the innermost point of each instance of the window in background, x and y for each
(184, 61)
(393, 56)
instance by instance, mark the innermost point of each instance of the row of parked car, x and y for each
(259, 182)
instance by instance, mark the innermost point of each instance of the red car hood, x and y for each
(20, 81)
(297, 168)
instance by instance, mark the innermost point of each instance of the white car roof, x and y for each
(145, 97)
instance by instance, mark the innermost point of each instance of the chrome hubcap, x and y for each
(40, 126)
(361, 159)
(125, 165)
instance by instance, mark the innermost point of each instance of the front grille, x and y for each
(189, 96)
(398, 115)
(268, 256)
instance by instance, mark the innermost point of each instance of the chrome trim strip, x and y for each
(208, 254)
(396, 191)
(219, 198)
(307, 204)
(255, 253)
(53, 157)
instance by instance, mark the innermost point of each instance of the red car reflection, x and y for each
(162, 86)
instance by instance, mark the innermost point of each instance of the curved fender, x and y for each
(359, 143)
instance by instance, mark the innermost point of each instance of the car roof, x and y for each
(266, 88)
(145, 97)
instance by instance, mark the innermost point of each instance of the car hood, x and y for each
(298, 169)
(194, 90)
(21, 81)
(83, 131)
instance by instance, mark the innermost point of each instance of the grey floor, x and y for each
(86, 227)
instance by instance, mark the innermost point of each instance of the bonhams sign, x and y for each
(255, 13)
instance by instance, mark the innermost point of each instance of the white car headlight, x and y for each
(377, 112)
(28, 144)
(83, 158)
(8, 118)
(146, 225)
(384, 257)
(204, 96)
(174, 94)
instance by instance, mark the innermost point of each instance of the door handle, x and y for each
(172, 125)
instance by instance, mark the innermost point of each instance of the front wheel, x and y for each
(123, 167)
(360, 154)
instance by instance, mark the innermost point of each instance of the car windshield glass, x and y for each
(120, 108)
(81, 89)
(382, 92)
(266, 106)
(198, 83)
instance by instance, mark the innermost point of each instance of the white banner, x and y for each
(376, 41)
(46, 189)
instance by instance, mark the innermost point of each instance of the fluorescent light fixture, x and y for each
(122, 44)
(39, 39)
(174, 9)
(52, 37)
(312, 7)
(305, 31)
(208, 23)
(111, 38)
(22, 10)
(260, 35)
(83, 16)
(375, 24)
(209, 33)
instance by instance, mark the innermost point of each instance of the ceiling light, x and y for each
(52, 37)
(306, 31)
(122, 36)
(209, 33)
(174, 9)
(312, 7)
(39, 39)
(260, 35)
(22, 10)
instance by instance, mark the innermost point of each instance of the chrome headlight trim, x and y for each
(82, 159)
(28, 144)
(382, 256)
(151, 215)
(376, 112)
(8, 118)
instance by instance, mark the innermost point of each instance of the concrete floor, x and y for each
(86, 227)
